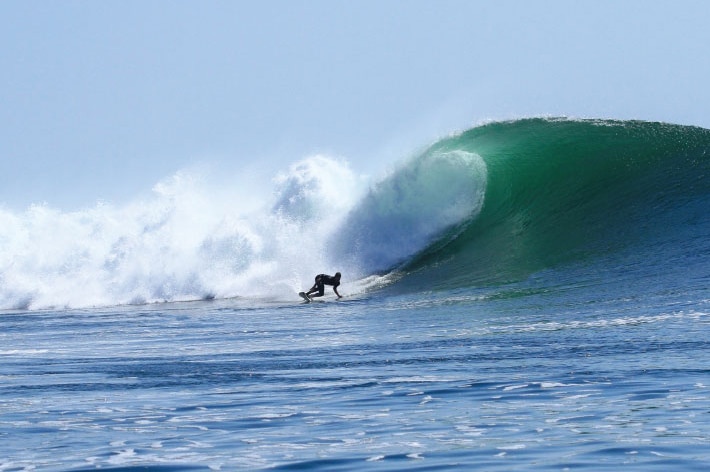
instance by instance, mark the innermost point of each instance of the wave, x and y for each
(561, 190)
(492, 204)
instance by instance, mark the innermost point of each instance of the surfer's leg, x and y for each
(319, 293)
(317, 287)
(312, 289)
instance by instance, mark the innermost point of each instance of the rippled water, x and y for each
(488, 381)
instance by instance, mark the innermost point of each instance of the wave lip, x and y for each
(414, 206)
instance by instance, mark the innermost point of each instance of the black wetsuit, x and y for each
(322, 280)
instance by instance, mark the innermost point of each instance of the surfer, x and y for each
(322, 280)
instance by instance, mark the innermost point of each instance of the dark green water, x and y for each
(562, 191)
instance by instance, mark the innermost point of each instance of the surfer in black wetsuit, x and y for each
(322, 280)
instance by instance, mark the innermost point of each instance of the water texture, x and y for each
(524, 295)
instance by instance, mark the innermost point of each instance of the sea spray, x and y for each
(187, 240)
(414, 206)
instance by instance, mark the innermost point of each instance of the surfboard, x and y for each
(304, 296)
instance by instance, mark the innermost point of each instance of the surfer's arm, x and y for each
(335, 289)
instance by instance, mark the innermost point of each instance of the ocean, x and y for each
(524, 295)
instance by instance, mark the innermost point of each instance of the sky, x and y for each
(101, 100)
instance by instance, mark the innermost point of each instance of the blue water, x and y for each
(527, 295)
(464, 378)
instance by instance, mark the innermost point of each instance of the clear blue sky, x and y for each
(101, 99)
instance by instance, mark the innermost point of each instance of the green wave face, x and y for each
(561, 190)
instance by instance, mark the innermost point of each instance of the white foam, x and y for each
(190, 239)
(22, 352)
(122, 457)
(514, 387)
(187, 240)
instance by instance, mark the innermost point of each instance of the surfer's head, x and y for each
(337, 275)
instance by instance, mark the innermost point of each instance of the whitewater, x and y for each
(185, 242)
(523, 295)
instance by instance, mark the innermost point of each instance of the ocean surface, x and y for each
(523, 295)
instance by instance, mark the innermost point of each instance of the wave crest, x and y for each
(410, 209)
